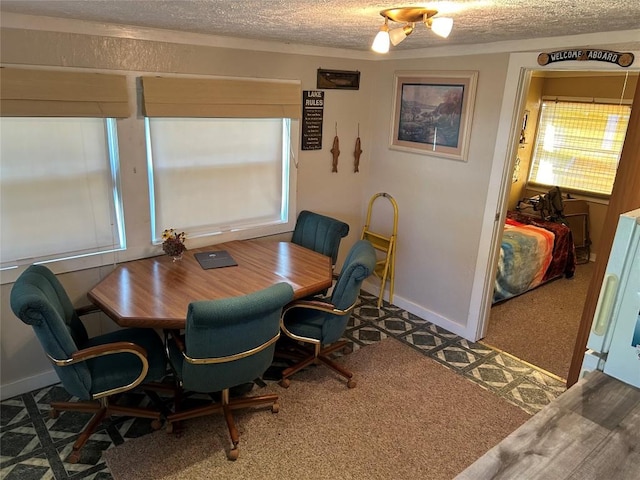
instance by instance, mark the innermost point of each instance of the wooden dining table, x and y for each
(155, 292)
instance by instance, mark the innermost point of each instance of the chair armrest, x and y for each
(102, 350)
(178, 340)
(315, 305)
(312, 305)
(110, 349)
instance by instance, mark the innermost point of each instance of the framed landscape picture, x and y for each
(432, 112)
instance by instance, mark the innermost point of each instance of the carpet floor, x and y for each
(541, 326)
(408, 417)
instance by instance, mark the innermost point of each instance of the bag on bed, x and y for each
(550, 206)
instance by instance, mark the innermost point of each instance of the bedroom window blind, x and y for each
(578, 145)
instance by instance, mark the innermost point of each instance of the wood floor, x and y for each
(592, 431)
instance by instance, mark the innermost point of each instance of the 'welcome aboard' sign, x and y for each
(584, 54)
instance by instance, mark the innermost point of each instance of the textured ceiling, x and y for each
(348, 24)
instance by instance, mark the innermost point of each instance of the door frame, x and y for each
(519, 71)
(624, 197)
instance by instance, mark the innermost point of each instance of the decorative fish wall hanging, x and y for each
(335, 151)
(357, 152)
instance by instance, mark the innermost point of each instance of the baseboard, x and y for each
(421, 312)
(28, 384)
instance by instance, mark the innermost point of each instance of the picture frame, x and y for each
(432, 112)
(338, 79)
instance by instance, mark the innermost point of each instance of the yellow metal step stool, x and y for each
(385, 266)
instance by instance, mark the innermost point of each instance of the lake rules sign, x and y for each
(583, 54)
(312, 114)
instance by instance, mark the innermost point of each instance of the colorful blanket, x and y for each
(533, 252)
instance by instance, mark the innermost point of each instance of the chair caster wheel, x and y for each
(233, 454)
(169, 428)
(285, 382)
(156, 424)
(275, 408)
(351, 383)
(74, 457)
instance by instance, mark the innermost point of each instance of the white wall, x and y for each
(440, 201)
(444, 209)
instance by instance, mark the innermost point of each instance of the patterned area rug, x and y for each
(408, 417)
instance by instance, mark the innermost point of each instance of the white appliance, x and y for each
(614, 340)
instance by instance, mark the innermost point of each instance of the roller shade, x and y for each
(46, 93)
(220, 98)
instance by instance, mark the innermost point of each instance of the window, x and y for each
(215, 175)
(578, 146)
(59, 189)
(219, 152)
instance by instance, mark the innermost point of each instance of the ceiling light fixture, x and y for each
(409, 16)
(381, 42)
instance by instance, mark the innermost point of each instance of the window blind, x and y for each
(578, 145)
(217, 175)
(220, 98)
(47, 93)
(57, 191)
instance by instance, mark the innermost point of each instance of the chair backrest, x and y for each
(359, 264)
(319, 233)
(39, 300)
(229, 327)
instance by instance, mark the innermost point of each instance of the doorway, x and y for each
(526, 75)
(541, 326)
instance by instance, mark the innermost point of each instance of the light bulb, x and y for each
(399, 34)
(441, 26)
(381, 42)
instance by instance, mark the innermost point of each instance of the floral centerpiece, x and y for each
(173, 243)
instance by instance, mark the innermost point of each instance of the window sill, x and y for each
(542, 189)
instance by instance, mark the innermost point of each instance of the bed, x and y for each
(533, 252)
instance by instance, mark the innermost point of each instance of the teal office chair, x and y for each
(319, 233)
(227, 343)
(96, 370)
(321, 323)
